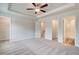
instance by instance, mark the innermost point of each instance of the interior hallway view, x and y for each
(50, 30)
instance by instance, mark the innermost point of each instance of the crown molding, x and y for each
(57, 10)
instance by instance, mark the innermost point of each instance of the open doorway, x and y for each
(54, 29)
(69, 30)
(42, 29)
(4, 28)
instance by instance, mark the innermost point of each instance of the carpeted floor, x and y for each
(36, 47)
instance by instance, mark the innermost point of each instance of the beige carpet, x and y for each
(36, 47)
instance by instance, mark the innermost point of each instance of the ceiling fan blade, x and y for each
(30, 8)
(34, 4)
(44, 5)
(43, 11)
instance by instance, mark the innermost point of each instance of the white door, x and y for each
(4, 28)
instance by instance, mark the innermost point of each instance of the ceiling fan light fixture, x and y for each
(38, 7)
(37, 10)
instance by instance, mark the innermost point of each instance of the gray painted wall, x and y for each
(22, 27)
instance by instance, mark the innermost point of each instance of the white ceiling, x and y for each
(21, 7)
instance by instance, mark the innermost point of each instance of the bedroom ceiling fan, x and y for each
(38, 7)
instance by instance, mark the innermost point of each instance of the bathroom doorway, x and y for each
(69, 30)
(54, 29)
(42, 29)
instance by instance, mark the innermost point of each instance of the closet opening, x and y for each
(5, 29)
(42, 29)
(54, 29)
(69, 30)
